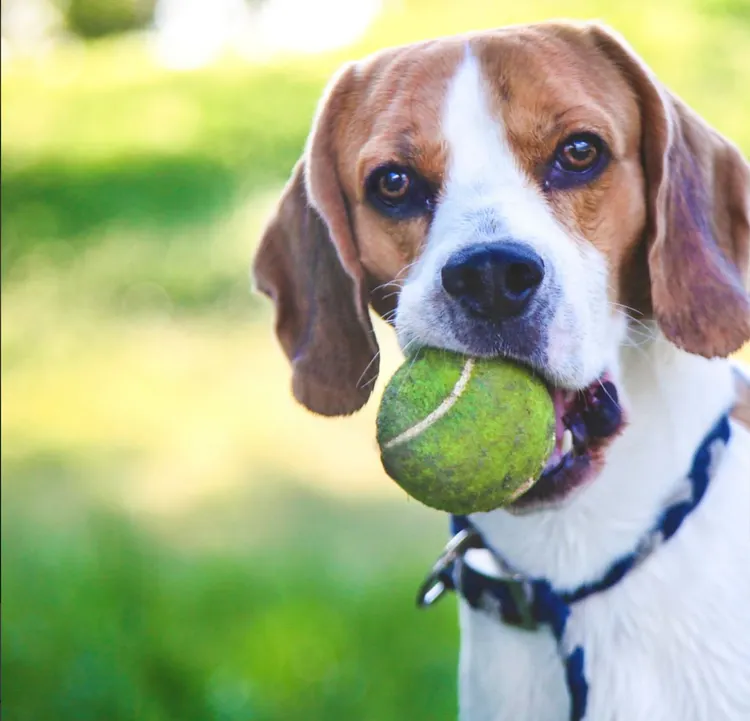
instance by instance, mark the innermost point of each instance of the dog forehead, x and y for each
(546, 66)
(397, 113)
(532, 76)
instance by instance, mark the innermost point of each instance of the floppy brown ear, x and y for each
(308, 265)
(698, 228)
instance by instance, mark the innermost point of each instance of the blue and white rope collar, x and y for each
(532, 602)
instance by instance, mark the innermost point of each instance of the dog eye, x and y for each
(399, 192)
(578, 159)
(393, 185)
(578, 153)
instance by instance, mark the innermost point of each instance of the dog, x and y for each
(534, 192)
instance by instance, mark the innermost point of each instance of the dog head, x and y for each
(523, 193)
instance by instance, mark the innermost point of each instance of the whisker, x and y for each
(630, 309)
(599, 381)
(647, 334)
(643, 330)
(397, 281)
(390, 295)
(627, 310)
(411, 365)
(407, 267)
(389, 284)
(413, 360)
(406, 347)
(634, 324)
(631, 343)
(370, 382)
(639, 347)
(367, 368)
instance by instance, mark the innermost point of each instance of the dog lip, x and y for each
(586, 422)
(586, 415)
(556, 484)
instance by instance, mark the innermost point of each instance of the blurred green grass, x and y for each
(104, 621)
(179, 539)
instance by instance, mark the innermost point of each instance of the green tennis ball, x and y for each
(465, 434)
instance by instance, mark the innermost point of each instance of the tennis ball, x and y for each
(465, 434)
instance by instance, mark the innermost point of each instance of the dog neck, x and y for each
(672, 399)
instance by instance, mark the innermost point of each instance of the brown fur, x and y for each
(325, 253)
(670, 213)
(321, 310)
(549, 83)
(697, 234)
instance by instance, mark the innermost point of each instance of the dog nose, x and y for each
(493, 280)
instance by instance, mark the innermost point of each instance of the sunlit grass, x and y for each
(161, 352)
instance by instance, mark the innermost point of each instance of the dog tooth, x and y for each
(567, 442)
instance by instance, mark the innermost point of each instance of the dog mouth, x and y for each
(586, 422)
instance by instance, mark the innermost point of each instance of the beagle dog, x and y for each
(534, 192)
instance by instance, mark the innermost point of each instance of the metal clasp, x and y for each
(434, 586)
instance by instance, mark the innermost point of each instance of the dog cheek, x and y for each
(407, 319)
(562, 342)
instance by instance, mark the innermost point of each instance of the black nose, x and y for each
(493, 280)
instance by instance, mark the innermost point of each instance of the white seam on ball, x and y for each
(438, 413)
(522, 489)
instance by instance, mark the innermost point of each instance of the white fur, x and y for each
(671, 642)
(487, 197)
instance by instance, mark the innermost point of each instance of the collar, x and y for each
(487, 582)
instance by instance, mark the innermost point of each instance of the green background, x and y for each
(179, 539)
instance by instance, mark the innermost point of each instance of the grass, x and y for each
(180, 540)
(105, 620)
(154, 154)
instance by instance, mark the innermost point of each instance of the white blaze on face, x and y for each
(488, 198)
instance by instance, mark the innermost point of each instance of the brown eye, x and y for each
(399, 192)
(578, 154)
(393, 185)
(578, 160)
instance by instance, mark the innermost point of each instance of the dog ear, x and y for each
(308, 264)
(698, 226)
